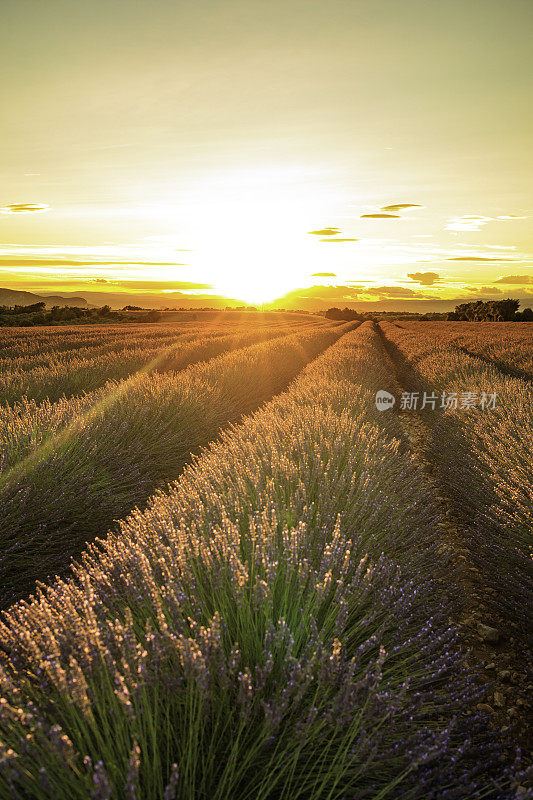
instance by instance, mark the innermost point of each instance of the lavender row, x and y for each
(269, 628)
(483, 458)
(25, 343)
(42, 348)
(116, 453)
(506, 345)
(71, 376)
(27, 424)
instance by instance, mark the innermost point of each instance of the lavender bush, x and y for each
(120, 450)
(268, 629)
(67, 375)
(483, 458)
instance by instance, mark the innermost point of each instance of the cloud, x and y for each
(380, 216)
(400, 206)
(99, 280)
(163, 286)
(339, 240)
(424, 278)
(326, 232)
(335, 294)
(478, 258)
(485, 291)
(468, 222)
(323, 275)
(394, 291)
(118, 299)
(475, 222)
(393, 297)
(489, 290)
(24, 208)
(52, 261)
(515, 279)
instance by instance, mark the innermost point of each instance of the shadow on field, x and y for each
(504, 368)
(474, 504)
(52, 505)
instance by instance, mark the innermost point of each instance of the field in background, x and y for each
(328, 600)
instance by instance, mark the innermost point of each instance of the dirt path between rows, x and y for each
(501, 366)
(495, 656)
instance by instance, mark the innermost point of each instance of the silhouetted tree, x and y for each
(488, 311)
(347, 314)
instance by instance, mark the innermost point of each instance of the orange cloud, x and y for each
(478, 258)
(52, 261)
(515, 279)
(400, 206)
(394, 291)
(380, 216)
(24, 208)
(424, 278)
(485, 291)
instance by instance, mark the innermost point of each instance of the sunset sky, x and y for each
(182, 152)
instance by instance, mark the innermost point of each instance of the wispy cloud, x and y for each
(24, 208)
(325, 293)
(468, 222)
(159, 286)
(485, 291)
(475, 222)
(28, 261)
(393, 291)
(518, 280)
(324, 275)
(400, 206)
(326, 232)
(479, 258)
(339, 240)
(380, 216)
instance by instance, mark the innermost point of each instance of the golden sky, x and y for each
(309, 153)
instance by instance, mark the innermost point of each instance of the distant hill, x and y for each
(11, 297)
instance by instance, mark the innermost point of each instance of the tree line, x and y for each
(491, 311)
(36, 314)
(475, 311)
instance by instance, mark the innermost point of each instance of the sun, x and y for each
(251, 231)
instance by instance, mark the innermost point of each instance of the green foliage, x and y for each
(247, 627)
(28, 316)
(137, 435)
(276, 624)
(525, 316)
(346, 314)
(489, 311)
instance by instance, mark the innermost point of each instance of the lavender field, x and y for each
(225, 572)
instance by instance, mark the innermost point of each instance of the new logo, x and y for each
(384, 400)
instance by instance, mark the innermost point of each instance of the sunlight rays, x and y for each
(251, 228)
